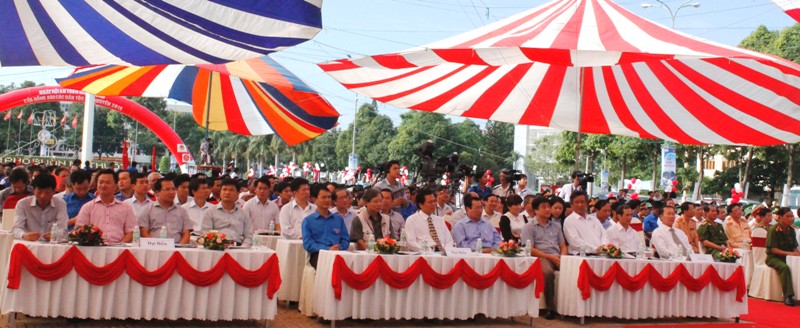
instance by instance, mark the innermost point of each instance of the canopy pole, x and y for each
(580, 121)
(208, 101)
(88, 129)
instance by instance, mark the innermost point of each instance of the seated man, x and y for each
(467, 230)
(621, 233)
(165, 212)
(19, 188)
(369, 220)
(140, 199)
(80, 195)
(198, 205)
(686, 223)
(424, 226)
(736, 227)
(548, 245)
(35, 215)
(323, 229)
(107, 213)
(344, 206)
(292, 214)
(711, 233)
(781, 242)
(228, 218)
(397, 221)
(581, 230)
(668, 240)
(262, 211)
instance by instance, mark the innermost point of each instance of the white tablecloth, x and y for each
(647, 302)
(746, 261)
(292, 258)
(6, 241)
(794, 265)
(420, 300)
(72, 296)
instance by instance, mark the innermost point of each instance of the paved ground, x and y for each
(292, 318)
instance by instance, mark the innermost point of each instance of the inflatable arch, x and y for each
(127, 107)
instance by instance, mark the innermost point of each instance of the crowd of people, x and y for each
(329, 216)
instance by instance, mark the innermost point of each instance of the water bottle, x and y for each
(136, 235)
(371, 243)
(426, 249)
(163, 231)
(582, 251)
(528, 247)
(54, 233)
(256, 241)
(271, 228)
(479, 246)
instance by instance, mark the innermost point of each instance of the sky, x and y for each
(370, 27)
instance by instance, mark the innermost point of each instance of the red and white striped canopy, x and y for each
(791, 7)
(594, 67)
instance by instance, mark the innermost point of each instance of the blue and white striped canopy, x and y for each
(151, 32)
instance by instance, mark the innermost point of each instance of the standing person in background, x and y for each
(392, 182)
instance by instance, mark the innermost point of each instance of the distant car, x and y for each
(744, 202)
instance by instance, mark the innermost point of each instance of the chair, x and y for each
(8, 219)
(765, 283)
(306, 302)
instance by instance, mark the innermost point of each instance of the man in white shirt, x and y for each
(141, 199)
(442, 196)
(522, 187)
(489, 212)
(580, 229)
(182, 182)
(667, 239)
(567, 190)
(424, 225)
(621, 234)
(397, 222)
(35, 215)
(198, 205)
(262, 211)
(343, 203)
(293, 213)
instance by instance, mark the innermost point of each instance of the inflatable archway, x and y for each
(125, 106)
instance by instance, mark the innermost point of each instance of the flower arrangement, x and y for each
(387, 246)
(87, 235)
(214, 240)
(610, 251)
(508, 248)
(729, 255)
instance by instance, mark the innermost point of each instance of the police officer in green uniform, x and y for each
(711, 233)
(781, 242)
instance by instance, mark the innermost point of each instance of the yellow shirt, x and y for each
(689, 227)
(737, 232)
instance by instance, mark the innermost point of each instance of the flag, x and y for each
(19, 117)
(75, 122)
(30, 119)
(64, 119)
(7, 117)
(791, 7)
(125, 158)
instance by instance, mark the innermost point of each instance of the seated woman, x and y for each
(512, 222)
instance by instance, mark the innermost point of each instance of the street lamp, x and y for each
(672, 14)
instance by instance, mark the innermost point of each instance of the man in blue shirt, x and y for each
(467, 230)
(323, 229)
(650, 222)
(79, 196)
(480, 188)
(410, 208)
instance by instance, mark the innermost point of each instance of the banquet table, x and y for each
(270, 242)
(6, 241)
(453, 296)
(291, 258)
(794, 265)
(579, 296)
(132, 282)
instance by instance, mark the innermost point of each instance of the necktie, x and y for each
(434, 235)
(675, 237)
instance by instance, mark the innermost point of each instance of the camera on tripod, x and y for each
(584, 178)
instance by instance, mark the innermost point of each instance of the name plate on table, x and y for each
(458, 252)
(701, 258)
(157, 243)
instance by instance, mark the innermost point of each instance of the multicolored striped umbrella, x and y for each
(150, 32)
(591, 66)
(283, 105)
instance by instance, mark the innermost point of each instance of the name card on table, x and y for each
(701, 258)
(157, 243)
(459, 252)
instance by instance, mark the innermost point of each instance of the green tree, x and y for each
(416, 128)
(374, 132)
